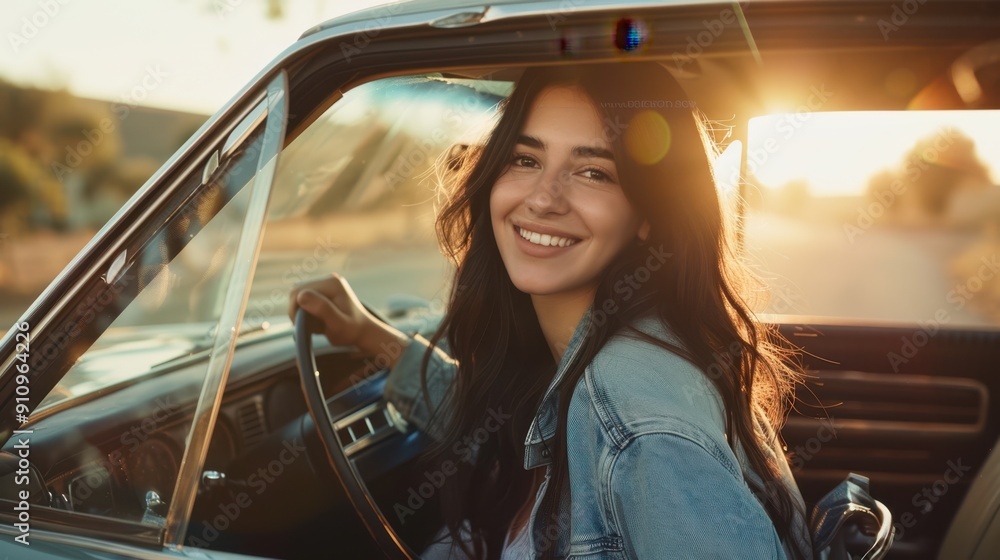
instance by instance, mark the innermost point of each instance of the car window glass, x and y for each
(169, 307)
(67, 164)
(355, 194)
(878, 216)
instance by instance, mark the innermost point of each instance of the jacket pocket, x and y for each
(603, 548)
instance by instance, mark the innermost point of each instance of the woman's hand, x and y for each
(345, 320)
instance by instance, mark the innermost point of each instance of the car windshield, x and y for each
(882, 216)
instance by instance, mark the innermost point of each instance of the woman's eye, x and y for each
(524, 161)
(597, 176)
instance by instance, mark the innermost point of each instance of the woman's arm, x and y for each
(403, 387)
(346, 322)
(671, 498)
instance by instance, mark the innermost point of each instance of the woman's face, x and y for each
(559, 214)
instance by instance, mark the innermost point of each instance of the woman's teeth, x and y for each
(545, 239)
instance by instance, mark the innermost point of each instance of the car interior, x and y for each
(901, 360)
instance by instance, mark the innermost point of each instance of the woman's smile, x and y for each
(540, 241)
(544, 239)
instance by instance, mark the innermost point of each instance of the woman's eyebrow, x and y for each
(531, 142)
(579, 151)
(592, 152)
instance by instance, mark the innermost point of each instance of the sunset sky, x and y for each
(207, 49)
(836, 153)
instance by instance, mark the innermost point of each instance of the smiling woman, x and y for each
(557, 316)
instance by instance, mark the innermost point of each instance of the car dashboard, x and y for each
(117, 454)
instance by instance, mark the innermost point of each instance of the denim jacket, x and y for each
(651, 473)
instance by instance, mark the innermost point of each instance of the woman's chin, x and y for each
(537, 286)
(544, 285)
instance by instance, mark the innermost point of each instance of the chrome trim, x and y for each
(396, 418)
(373, 436)
(211, 166)
(885, 534)
(116, 268)
(499, 12)
(465, 18)
(396, 14)
(233, 307)
(247, 125)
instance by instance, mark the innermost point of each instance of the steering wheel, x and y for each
(378, 526)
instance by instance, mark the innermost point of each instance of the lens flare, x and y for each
(628, 35)
(647, 137)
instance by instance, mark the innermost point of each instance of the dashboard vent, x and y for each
(884, 424)
(363, 428)
(894, 406)
(250, 419)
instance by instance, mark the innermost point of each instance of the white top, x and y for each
(519, 548)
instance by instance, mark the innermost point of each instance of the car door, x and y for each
(178, 259)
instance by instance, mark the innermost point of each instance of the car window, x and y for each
(168, 300)
(67, 164)
(877, 216)
(355, 194)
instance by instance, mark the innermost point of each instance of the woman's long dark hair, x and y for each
(493, 332)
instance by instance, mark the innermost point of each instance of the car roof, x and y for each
(428, 11)
(804, 43)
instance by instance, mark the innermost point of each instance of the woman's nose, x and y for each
(548, 194)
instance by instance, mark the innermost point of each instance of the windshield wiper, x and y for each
(208, 341)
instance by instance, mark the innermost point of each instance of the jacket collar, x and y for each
(543, 427)
(537, 443)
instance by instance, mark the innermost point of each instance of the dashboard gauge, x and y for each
(153, 465)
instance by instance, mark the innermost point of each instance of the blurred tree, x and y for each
(15, 197)
(880, 182)
(792, 197)
(273, 9)
(930, 175)
(941, 163)
(29, 195)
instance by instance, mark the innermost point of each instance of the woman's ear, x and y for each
(643, 234)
